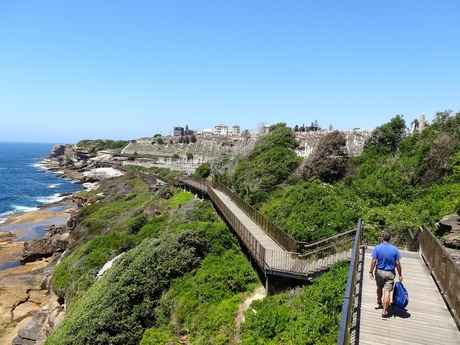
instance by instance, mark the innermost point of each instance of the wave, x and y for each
(16, 209)
(50, 199)
(39, 165)
(54, 185)
(24, 208)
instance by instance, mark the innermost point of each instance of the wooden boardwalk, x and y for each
(277, 260)
(426, 319)
(266, 241)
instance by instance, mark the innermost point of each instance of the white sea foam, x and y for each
(37, 165)
(19, 208)
(50, 199)
(16, 209)
(54, 185)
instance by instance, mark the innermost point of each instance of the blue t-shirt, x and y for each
(386, 255)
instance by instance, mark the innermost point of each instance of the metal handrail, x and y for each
(281, 237)
(276, 261)
(347, 307)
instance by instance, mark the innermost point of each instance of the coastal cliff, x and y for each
(29, 309)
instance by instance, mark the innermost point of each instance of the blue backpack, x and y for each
(400, 296)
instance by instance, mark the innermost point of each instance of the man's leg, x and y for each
(386, 301)
(379, 295)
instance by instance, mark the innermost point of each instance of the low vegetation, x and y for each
(182, 275)
(308, 315)
(94, 146)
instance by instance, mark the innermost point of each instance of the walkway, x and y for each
(271, 257)
(426, 319)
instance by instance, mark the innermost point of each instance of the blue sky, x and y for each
(72, 70)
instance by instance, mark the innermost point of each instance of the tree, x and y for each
(269, 164)
(193, 138)
(387, 136)
(160, 141)
(441, 117)
(189, 156)
(204, 170)
(328, 159)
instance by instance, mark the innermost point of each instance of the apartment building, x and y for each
(221, 129)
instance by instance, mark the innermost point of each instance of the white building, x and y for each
(236, 130)
(207, 131)
(221, 129)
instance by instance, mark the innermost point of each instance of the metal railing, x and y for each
(278, 235)
(252, 244)
(442, 267)
(316, 257)
(347, 307)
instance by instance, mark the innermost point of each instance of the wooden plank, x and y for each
(426, 319)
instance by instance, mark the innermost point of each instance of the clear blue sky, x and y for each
(72, 70)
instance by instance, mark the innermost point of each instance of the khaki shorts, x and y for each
(385, 279)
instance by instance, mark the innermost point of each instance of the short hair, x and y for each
(386, 236)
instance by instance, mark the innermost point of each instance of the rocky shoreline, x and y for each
(24, 288)
(28, 308)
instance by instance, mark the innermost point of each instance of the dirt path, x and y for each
(258, 293)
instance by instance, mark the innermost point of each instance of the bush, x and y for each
(206, 300)
(203, 171)
(135, 224)
(310, 315)
(119, 307)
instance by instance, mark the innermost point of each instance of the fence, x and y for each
(316, 257)
(278, 235)
(347, 307)
(443, 268)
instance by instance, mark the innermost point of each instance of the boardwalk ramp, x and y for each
(425, 320)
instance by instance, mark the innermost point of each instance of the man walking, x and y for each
(385, 259)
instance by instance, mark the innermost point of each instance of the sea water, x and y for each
(25, 182)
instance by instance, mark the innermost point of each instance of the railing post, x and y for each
(347, 307)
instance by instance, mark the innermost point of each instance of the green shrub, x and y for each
(135, 224)
(74, 275)
(310, 315)
(118, 308)
(206, 300)
(203, 171)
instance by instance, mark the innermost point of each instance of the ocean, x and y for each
(25, 182)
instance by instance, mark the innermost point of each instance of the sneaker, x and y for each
(379, 305)
(384, 316)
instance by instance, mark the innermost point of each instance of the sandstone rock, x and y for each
(31, 331)
(449, 223)
(61, 242)
(57, 151)
(108, 265)
(8, 301)
(37, 249)
(19, 341)
(23, 310)
(452, 241)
